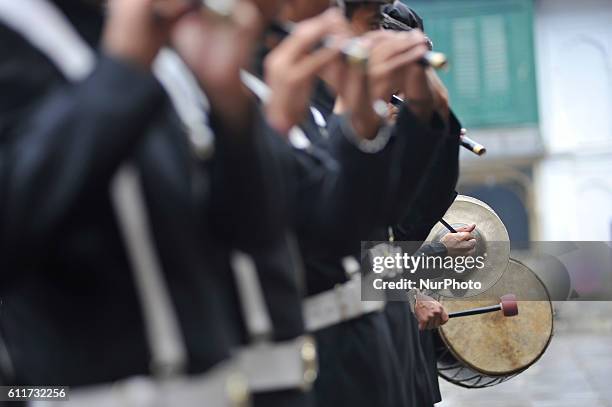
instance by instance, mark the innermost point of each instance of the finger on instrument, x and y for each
(412, 56)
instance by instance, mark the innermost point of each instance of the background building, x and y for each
(532, 80)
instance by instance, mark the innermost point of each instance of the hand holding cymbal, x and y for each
(492, 242)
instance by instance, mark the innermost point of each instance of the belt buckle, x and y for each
(310, 365)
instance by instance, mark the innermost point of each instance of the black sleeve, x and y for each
(436, 194)
(64, 140)
(412, 159)
(343, 200)
(342, 194)
(247, 198)
(431, 249)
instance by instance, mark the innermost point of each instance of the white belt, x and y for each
(338, 305)
(270, 366)
(219, 387)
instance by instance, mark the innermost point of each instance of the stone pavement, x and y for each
(575, 371)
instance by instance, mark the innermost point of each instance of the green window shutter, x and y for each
(490, 45)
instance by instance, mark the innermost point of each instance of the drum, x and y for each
(488, 349)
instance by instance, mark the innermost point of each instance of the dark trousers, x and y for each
(286, 398)
(416, 354)
(359, 365)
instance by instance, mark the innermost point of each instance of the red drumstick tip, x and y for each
(509, 305)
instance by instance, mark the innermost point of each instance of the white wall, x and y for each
(574, 64)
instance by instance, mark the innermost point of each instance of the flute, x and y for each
(356, 53)
(464, 140)
(471, 145)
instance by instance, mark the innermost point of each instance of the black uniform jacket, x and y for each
(416, 350)
(329, 194)
(70, 314)
(360, 364)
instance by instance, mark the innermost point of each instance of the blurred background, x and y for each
(532, 81)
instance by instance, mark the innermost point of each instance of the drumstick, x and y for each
(507, 305)
(448, 226)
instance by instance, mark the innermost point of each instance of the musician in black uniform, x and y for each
(358, 364)
(198, 206)
(319, 186)
(365, 16)
(329, 189)
(71, 311)
(412, 330)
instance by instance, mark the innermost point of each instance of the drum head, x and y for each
(495, 345)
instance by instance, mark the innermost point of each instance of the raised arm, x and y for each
(436, 192)
(60, 141)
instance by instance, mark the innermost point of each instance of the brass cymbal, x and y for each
(492, 243)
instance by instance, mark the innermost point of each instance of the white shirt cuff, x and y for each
(370, 146)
